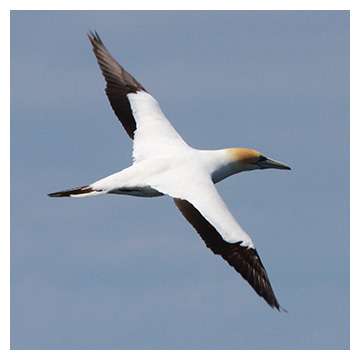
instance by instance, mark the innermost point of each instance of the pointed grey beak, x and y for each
(272, 164)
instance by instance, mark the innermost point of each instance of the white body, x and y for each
(165, 164)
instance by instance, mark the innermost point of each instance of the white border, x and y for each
(5, 181)
(180, 5)
(7, 5)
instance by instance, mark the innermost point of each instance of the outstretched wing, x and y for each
(245, 260)
(137, 110)
(198, 200)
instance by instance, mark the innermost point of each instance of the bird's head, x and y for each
(250, 159)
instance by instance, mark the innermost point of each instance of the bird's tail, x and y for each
(81, 191)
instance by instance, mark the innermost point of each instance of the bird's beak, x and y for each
(272, 164)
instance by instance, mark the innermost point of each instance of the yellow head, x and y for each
(251, 159)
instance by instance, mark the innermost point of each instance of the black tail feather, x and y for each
(74, 191)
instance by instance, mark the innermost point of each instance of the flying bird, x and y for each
(164, 164)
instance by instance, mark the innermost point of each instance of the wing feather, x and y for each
(198, 200)
(245, 260)
(119, 83)
(137, 110)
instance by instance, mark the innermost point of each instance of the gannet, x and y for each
(164, 164)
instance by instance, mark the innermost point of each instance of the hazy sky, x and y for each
(119, 272)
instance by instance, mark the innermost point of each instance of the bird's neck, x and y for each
(222, 164)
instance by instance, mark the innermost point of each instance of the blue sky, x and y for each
(129, 273)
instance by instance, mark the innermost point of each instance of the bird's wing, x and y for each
(245, 260)
(138, 111)
(201, 204)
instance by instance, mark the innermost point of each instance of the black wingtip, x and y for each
(272, 301)
(277, 306)
(94, 37)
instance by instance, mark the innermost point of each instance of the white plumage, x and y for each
(164, 164)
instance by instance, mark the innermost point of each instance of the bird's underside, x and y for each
(165, 165)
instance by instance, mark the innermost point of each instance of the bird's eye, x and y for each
(262, 158)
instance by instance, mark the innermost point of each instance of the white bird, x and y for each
(164, 164)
